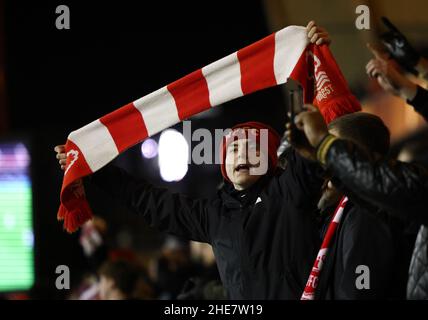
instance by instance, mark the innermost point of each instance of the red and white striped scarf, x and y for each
(313, 280)
(265, 63)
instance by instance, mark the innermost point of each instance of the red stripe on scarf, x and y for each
(256, 63)
(124, 136)
(191, 94)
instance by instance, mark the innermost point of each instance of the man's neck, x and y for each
(238, 187)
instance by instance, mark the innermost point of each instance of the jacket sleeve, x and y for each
(420, 102)
(397, 187)
(166, 211)
(301, 180)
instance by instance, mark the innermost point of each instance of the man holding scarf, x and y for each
(261, 226)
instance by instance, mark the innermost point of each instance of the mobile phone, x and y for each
(295, 98)
(295, 105)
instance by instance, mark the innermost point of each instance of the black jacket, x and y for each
(264, 239)
(417, 286)
(401, 189)
(364, 239)
(398, 188)
(420, 102)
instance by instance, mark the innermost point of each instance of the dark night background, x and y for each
(114, 53)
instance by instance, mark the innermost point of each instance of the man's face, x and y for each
(243, 157)
(330, 196)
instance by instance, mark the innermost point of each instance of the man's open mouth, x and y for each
(242, 167)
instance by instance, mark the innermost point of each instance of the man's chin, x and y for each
(243, 176)
(246, 180)
(322, 204)
(328, 199)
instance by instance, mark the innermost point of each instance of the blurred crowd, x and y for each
(184, 270)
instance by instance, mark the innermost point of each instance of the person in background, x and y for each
(393, 65)
(123, 280)
(417, 286)
(389, 71)
(365, 236)
(386, 185)
(92, 238)
(400, 50)
(207, 285)
(172, 268)
(93, 241)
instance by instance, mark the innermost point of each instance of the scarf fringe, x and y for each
(75, 218)
(339, 106)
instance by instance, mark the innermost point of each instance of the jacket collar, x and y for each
(235, 199)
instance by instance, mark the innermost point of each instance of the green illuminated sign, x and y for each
(16, 219)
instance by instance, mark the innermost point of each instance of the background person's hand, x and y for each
(399, 47)
(312, 123)
(316, 34)
(389, 76)
(299, 142)
(61, 155)
(312, 126)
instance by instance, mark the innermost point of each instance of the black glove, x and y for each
(399, 47)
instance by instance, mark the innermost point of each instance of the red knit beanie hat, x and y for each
(273, 144)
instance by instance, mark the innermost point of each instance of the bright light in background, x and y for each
(149, 148)
(22, 157)
(173, 155)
